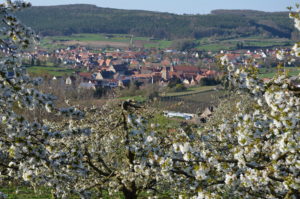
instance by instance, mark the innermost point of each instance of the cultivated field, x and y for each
(124, 41)
(190, 103)
(217, 44)
(103, 40)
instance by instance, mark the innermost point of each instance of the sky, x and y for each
(179, 6)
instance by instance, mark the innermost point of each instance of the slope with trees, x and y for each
(72, 19)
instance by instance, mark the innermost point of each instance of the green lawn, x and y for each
(159, 44)
(54, 71)
(271, 72)
(52, 42)
(208, 43)
(164, 122)
(25, 192)
(215, 47)
(118, 38)
(89, 37)
(217, 44)
(190, 90)
(43, 193)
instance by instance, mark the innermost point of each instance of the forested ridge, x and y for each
(83, 18)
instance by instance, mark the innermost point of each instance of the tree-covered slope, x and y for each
(69, 19)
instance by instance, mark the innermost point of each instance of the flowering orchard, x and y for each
(121, 155)
(23, 143)
(254, 153)
(251, 153)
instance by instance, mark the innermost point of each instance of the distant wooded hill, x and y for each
(72, 19)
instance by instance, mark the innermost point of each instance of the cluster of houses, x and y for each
(257, 57)
(119, 67)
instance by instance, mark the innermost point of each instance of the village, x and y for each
(116, 68)
(102, 71)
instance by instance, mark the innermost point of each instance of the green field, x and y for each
(217, 44)
(91, 37)
(53, 71)
(25, 192)
(159, 44)
(122, 40)
(271, 72)
(189, 91)
(165, 122)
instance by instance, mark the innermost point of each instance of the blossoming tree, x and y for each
(121, 155)
(253, 154)
(114, 152)
(23, 141)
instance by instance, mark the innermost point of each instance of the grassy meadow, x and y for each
(217, 44)
(52, 71)
(103, 40)
(189, 91)
(124, 40)
(271, 72)
(26, 192)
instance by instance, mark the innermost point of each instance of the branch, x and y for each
(93, 166)
(189, 161)
(275, 179)
(6, 166)
(215, 183)
(105, 165)
(183, 173)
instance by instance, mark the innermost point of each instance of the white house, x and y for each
(186, 116)
(68, 81)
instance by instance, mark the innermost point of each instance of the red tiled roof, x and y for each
(166, 63)
(185, 69)
(142, 75)
(101, 61)
(210, 72)
(266, 79)
(174, 74)
(134, 62)
(256, 56)
(232, 56)
(83, 74)
(199, 77)
(157, 74)
(107, 62)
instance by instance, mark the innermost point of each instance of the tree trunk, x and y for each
(130, 193)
